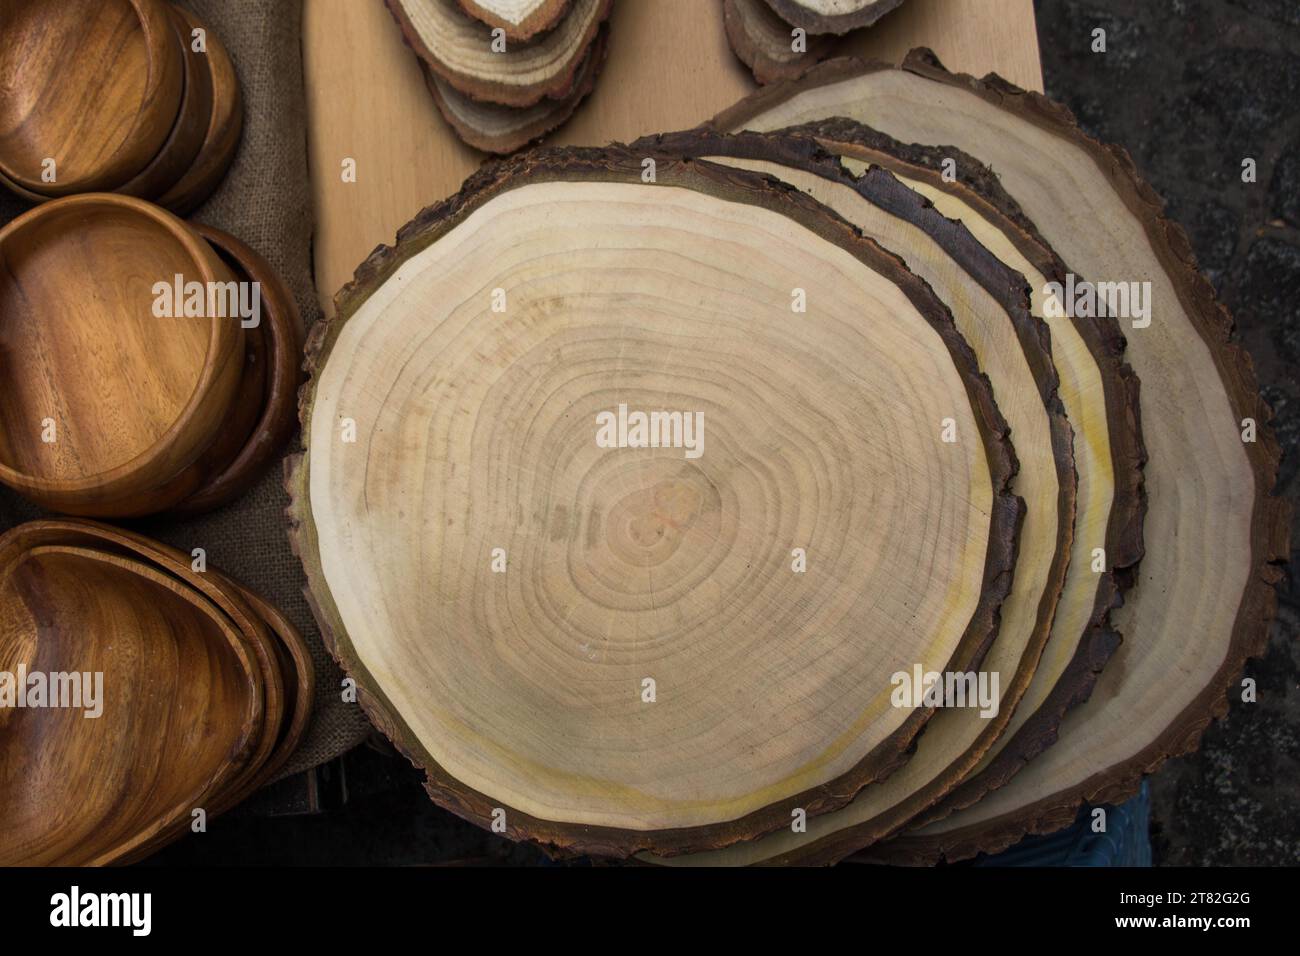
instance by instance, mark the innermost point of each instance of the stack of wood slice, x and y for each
(774, 491)
(505, 72)
(780, 39)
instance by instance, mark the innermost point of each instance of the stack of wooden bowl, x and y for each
(779, 39)
(146, 365)
(868, 469)
(141, 697)
(505, 72)
(130, 96)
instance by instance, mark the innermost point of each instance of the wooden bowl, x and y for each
(181, 706)
(230, 603)
(22, 193)
(94, 85)
(281, 333)
(250, 401)
(275, 647)
(299, 681)
(225, 124)
(182, 147)
(131, 401)
(299, 677)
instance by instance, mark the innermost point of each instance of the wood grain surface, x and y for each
(79, 791)
(1214, 531)
(271, 386)
(95, 85)
(669, 68)
(134, 399)
(661, 564)
(224, 127)
(992, 310)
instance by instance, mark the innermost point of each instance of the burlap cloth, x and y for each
(266, 201)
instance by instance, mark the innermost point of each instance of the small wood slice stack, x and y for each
(780, 39)
(503, 73)
(768, 45)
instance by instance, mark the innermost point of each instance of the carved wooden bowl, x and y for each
(93, 85)
(180, 704)
(106, 407)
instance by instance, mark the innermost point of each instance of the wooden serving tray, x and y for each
(669, 68)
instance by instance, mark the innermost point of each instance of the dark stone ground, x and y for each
(1191, 87)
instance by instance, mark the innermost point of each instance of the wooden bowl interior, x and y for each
(178, 705)
(94, 84)
(225, 598)
(80, 344)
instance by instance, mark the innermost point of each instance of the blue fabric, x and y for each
(1126, 841)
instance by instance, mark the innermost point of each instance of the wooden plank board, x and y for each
(669, 68)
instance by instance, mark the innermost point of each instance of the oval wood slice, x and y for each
(460, 50)
(94, 85)
(991, 306)
(766, 44)
(646, 667)
(520, 19)
(1214, 531)
(505, 129)
(832, 16)
(1100, 393)
(180, 708)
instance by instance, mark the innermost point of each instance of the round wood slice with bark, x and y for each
(832, 16)
(1089, 374)
(520, 19)
(1215, 533)
(506, 129)
(606, 640)
(467, 56)
(770, 47)
(1100, 393)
